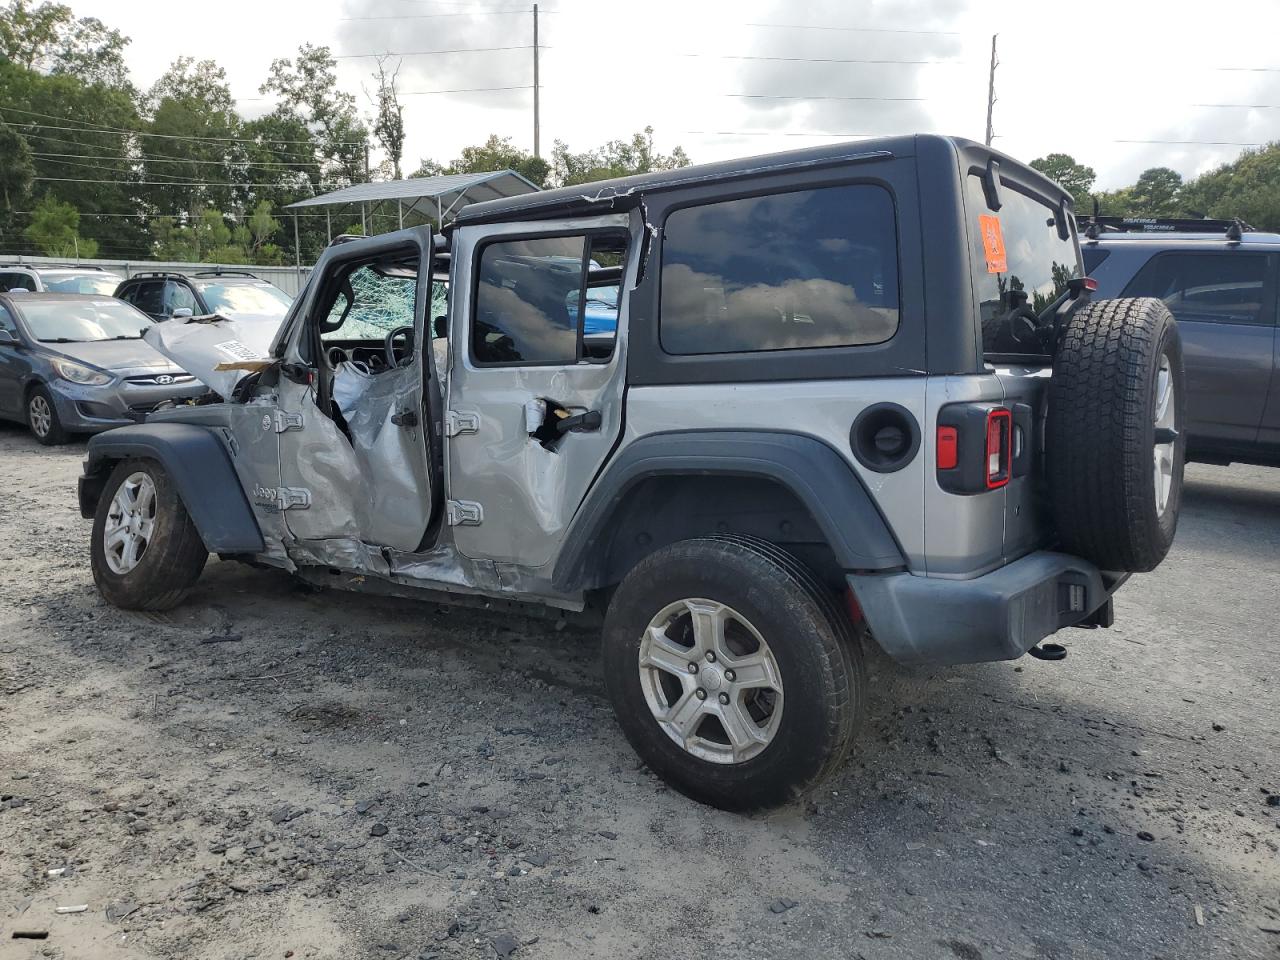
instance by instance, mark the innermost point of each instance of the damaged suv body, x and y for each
(851, 392)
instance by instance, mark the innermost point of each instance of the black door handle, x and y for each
(580, 423)
(405, 418)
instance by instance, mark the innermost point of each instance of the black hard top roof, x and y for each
(625, 193)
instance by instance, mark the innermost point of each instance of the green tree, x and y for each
(16, 170)
(499, 153)
(261, 227)
(1075, 178)
(48, 38)
(307, 86)
(191, 159)
(1247, 187)
(1156, 193)
(617, 158)
(388, 124)
(55, 230)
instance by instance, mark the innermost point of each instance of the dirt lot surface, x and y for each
(272, 772)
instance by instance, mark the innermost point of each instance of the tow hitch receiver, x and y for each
(1049, 651)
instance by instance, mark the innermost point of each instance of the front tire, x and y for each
(42, 418)
(146, 553)
(732, 673)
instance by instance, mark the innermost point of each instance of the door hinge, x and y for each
(465, 513)
(287, 421)
(456, 423)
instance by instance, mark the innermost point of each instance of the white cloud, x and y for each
(1076, 78)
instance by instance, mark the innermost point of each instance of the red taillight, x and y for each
(1090, 284)
(948, 448)
(999, 447)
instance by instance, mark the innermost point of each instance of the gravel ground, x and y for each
(272, 772)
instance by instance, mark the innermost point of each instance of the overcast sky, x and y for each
(1078, 78)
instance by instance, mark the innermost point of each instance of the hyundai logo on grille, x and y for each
(164, 378)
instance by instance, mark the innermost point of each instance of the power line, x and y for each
(1241, 106)
(162, 183)
(425, 93)
(814, 26)
(91, 146)
(514, 12)
(737, 56)
(144, 159)
(93, 127)
(430, 53)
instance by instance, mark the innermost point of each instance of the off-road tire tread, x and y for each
(1099, 434)
(173, 559)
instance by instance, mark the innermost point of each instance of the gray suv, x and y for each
(848, 395)
(57, 278)
(76, 363)
(1220, 281)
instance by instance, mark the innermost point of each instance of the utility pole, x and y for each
(537, 124)
(991, 87)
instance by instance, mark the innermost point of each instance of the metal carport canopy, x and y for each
(433, 197)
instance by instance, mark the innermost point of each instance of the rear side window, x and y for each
(17, 281)
(1206, 287)
(1092, 258)
(147, 297)
(7, 321)
(809, 268)
(547, 300)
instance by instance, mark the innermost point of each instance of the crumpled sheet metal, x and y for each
(201, 345)
(389, 455)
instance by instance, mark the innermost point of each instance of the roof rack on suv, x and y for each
(158, 273)
(53, 266)
(1096, 226)
(219, 272)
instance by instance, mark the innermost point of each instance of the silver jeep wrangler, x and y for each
(753, 415)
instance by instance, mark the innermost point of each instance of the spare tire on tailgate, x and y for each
(1114, 437)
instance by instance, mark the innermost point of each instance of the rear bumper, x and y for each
(998, 616)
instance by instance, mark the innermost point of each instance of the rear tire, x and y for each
(42, 418)
(767, 731)
(1117, 391)
(146, 553)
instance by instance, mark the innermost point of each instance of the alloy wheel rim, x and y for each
(1165, 434)
(711, 681)
(41, 416)
(130, 523)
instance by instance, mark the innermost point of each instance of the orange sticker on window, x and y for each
(993, 243)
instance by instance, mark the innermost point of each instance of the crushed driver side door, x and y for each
(354, 448)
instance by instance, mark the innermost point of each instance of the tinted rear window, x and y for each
(809, 268)
(1034, 269)
(1092, 257)
(1206, 287)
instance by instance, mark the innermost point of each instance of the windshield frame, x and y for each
(30, 324)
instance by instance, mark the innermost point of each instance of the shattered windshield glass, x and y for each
(382, 303)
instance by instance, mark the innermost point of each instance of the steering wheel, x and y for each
(388, 346)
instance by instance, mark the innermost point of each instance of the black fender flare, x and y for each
(200, 467)
(822, 480)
